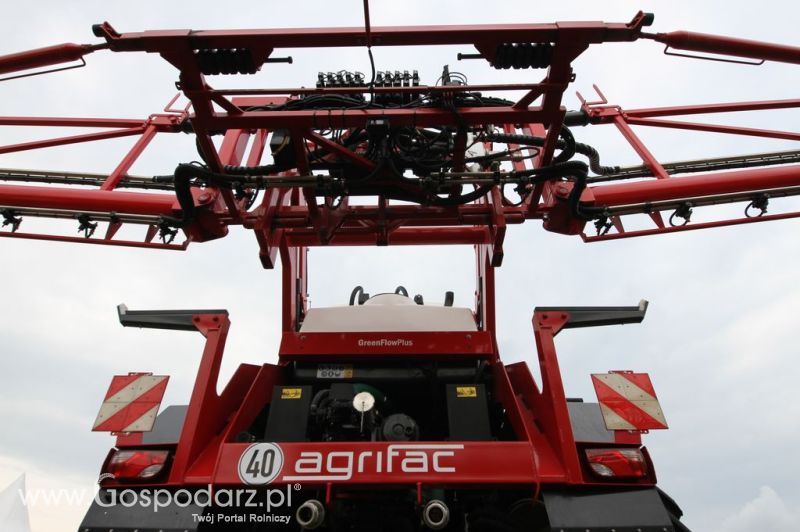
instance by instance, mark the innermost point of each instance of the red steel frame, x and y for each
(667, 188)
(286, 215)
(207, 452)
(290, 219)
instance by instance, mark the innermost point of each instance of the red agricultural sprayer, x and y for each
(392, 412)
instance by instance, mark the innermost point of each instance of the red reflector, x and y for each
(617, 463)
(136, 464)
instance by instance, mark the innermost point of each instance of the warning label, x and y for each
(291, 393)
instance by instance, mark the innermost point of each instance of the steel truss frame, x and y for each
(293, 216)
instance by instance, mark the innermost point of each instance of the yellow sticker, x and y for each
(291, 393)
(466, 391)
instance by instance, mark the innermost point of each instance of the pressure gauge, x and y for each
(363, 402)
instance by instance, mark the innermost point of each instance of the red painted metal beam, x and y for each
(74, 139)
(639, 147)
(681, 110)
(204, 413)
(119, 172)
(419, 89)
(100, 241)
(412, 215)
(47, 56)
(691, 227)
(676, 188)
(48, 121)
(554, 416)
(405, 236)
(718, 44)
(712, 128)
(420, 117)
(159, 40)
(87, 200)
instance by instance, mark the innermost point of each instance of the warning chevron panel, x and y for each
(131, 403)
(628, 401)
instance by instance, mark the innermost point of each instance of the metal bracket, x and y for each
(180, 320)
(598, 316)
(709, 58)
(50, 71)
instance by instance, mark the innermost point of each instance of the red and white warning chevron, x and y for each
(132, 403)
(628, 401)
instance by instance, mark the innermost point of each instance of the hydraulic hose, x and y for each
(481, 191)
(566, 143)
(185, 173)
(576, 170)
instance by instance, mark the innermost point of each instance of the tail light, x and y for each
(617, 463)
(136, 464)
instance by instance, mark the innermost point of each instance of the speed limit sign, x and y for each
(260, 463)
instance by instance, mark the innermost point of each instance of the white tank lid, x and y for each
(389, 299)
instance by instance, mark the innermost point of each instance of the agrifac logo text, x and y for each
(385, 342)
(341, 465)
(261, 463)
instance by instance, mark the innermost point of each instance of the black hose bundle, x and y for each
(186, 175)
(387, 179)
(566, 144)
(577, 171)
(479, 192)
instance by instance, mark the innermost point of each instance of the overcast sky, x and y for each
(718, 341)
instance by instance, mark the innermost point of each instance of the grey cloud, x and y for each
(767, 512)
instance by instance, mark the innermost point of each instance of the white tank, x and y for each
(389, 313)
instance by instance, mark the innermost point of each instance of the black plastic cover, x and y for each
(587, 423)
(168, 426)
(468, 412)
(180, 320)
(597, 316)
(288, 413)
